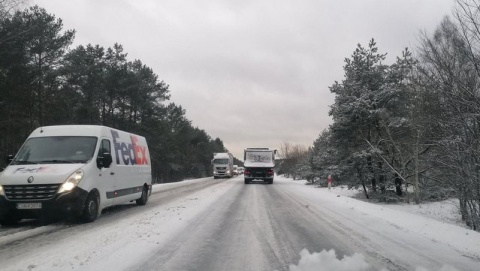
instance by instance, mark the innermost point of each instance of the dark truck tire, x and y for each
(247, 181)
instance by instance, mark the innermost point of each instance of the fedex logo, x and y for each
(31, 170)
(130, 152)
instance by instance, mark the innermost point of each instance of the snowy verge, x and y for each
(446, 211)
(431, 221)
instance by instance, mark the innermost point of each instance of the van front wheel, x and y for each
(144, 198)
(90, 210)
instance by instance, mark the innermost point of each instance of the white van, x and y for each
(74, 171)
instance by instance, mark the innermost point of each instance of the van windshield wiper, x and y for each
(56, 161)
(24, 163)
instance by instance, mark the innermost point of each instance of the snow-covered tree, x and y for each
(370, 114)
(292, 157)
(451, 67)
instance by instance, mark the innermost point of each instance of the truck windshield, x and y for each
(56, 149)
(220, 161)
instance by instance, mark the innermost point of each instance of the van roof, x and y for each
(72, 130)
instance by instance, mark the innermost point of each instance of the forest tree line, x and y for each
(43, 81)
(413, 125)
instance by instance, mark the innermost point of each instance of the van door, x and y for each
(132, 167)
(106, 180)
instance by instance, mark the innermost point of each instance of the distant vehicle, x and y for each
(222, 163)
(76, 171)
(235, 170)
(259, 164)
(240, 170)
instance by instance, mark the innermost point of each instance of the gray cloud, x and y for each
(254, 73)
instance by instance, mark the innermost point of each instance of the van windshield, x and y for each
(56, 149)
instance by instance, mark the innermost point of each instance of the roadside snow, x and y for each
(444, 211)
(435, 221)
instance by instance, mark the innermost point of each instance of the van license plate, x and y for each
(37, 205)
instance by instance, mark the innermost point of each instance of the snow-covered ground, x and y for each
(446, 211)
(427, 235)
(453, 233)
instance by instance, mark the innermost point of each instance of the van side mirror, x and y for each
(9, 158)
(104, 161)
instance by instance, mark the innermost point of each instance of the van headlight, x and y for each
(2, 192)
(71, 181)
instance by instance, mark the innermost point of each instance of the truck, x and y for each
(74, 171)
(259, 164)
(222, 163)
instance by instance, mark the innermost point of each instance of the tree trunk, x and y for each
(363, 183)
(416, 184)
(398, 185)
(381, 177)
(372, 180)
(365, 189)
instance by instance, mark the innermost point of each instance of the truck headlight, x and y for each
(2, 192)
(71, 181)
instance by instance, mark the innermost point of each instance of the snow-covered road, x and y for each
(208, 224)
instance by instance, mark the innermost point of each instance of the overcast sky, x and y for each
(255, 73)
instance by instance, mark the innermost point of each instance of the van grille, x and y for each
(30, 192)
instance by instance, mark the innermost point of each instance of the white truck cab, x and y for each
(222, 163)
(74, 171)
